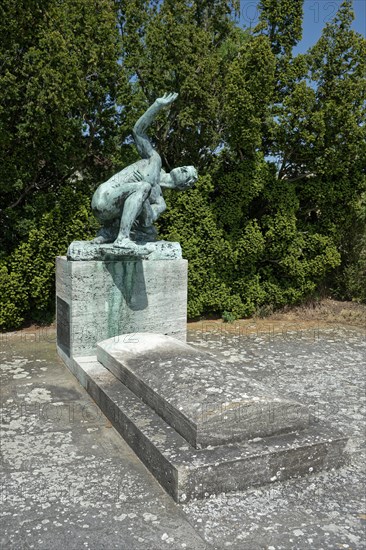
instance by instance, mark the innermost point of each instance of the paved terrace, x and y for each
(69, 481)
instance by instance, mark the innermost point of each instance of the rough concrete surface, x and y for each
(69, 480)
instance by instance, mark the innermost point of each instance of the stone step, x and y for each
(187, 473)
(206, 401)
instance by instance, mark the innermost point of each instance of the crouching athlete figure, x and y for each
(134, 195)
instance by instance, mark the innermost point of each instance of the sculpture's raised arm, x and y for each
(142, 142)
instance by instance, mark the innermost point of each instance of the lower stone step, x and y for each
(188, 473)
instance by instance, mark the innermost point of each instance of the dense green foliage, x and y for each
(58, 84)
(279, 212)
(27, 282)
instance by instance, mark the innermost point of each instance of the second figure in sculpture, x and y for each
(133, 197)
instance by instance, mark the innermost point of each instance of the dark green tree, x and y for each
(180, 46)
(279, 141)
(281, 21)
(307, 112)
(59, 76)
(320, 138)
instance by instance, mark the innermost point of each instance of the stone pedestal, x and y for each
(100, 299)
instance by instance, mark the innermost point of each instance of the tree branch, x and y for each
(23, 195)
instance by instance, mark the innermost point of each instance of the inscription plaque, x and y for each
(63, 325)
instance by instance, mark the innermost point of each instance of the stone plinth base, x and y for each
(89, 251)
(100, 299)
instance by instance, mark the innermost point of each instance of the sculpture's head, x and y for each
(184, 177)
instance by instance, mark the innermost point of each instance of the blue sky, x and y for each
(316, 14)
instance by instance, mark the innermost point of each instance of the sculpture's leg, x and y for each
(158, 208)
(107, 233)
(151, 211)
(146, 218)
(131, 210)
(143, 228)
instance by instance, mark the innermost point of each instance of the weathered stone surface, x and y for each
(63, 325)
(203, 399)
(187, 473)
(106, 299)
(89, 251)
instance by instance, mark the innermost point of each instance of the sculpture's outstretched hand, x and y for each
(142, 142)
(167, 99)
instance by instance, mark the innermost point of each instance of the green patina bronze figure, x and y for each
(128, 203)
